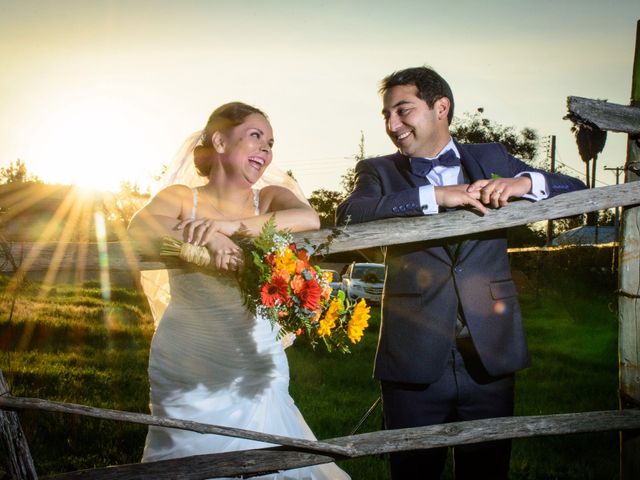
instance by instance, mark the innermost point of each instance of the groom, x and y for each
(451, 335)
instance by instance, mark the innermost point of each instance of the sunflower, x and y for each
(328, 322)
(359, 321)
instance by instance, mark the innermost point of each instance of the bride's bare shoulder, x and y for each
(170, 201)
(174, 193)
(176, 189)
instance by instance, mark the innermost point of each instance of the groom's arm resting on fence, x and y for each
(369, 201)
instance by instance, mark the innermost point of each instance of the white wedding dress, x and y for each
(211, 361)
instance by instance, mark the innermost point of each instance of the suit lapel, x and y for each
(475, 169)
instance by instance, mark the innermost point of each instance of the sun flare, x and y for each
(88, 140)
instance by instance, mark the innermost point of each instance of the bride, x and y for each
(210, 360)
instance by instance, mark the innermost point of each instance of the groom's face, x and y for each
(413, 127)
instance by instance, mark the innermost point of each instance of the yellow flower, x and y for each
(359, 321)
(285, 260)
(330, 318)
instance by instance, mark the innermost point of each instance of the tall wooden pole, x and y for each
(629, 299)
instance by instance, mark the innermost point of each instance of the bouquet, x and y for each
(278, 282)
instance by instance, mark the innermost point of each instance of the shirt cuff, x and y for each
(428, 203)
(539, 187)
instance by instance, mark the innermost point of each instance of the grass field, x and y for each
(69, 344)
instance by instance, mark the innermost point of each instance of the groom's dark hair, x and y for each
(431, 86)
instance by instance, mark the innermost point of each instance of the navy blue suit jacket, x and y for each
(424, 286)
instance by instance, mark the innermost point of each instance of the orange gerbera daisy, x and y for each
(310, 294)
(274, 292)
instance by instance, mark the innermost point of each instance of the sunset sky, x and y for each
(95, 92)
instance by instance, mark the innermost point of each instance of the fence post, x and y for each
(15, 451)
(629, 299)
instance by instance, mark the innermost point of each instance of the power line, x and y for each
(581, 173)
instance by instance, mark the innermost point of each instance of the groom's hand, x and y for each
(453, 196)
(497, 191)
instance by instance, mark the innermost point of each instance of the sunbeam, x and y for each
(103, 255)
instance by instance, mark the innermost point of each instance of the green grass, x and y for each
(71, 345)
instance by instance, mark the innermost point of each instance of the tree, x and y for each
(326, 202)
(17, 173)
(474, 128)
(590, 140)
(121, 205)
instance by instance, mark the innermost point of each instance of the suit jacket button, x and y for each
(457, 269)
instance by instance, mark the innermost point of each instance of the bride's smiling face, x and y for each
(246, 149)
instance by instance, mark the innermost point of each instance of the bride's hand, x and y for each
(225, 254)
(198, 231)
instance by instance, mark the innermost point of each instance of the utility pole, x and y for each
(552, 156)
(618, 171)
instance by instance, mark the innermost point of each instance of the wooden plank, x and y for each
(463, 222)
(9, 401)
(15, 453)
(629, 307)
(247, 463)
(606, 116)
(254, 462)
(37, 256)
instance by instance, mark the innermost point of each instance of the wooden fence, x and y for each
(38, 256)
(294, 453)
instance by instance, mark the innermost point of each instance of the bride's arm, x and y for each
(158, 218)
(166, 214)
(290, 213)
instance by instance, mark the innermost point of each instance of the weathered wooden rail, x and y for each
(37, 256)
(299, 453)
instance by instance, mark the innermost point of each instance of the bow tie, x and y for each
(422, 166)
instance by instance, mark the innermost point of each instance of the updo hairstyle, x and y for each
(223, 119)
